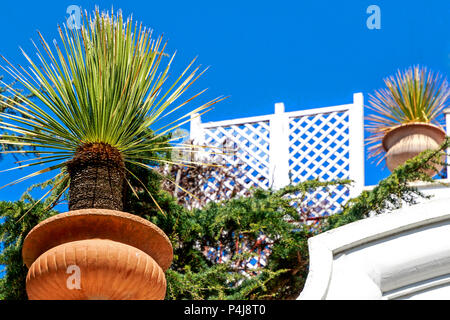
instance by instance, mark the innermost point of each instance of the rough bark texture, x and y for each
(96, 178)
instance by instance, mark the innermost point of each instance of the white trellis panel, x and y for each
(249, 141)
(291, 147)
(319, 149)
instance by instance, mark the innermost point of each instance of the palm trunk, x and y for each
(96, 178)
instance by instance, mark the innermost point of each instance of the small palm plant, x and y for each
(99, 94)
(414, 96)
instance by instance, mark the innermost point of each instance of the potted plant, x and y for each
(98, 96)
(407, 118)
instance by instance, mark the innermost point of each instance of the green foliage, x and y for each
(229, 225)
(12, 235)
(393, 191)
(105, 83)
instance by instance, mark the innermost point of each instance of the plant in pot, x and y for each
(97, 101)
(407, 117)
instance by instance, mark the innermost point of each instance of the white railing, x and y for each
(290, 147)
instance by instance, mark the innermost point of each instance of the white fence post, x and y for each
(447, 121)
(356, 144)
(197, 135)
(279, 148)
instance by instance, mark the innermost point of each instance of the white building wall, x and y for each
(404, 254)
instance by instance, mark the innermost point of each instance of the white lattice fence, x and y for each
(291, 147)
(250, 143)
(319, 149)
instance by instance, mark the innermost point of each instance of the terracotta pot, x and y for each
(408, 140)
(96, 254)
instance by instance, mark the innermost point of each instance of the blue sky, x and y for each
(304, 53)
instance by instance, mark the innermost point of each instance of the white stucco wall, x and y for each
(404, 254)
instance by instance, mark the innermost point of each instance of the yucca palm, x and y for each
(100, 93)
(412, 96)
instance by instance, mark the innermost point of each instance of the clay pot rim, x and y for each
(163, 254)
(402, 126)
